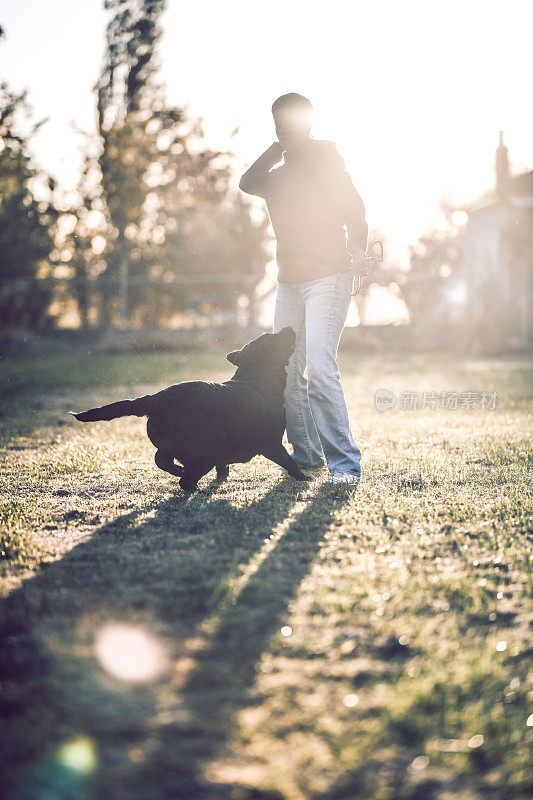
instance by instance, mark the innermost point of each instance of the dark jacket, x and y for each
(309, 198)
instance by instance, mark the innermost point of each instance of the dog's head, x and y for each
(269, 349)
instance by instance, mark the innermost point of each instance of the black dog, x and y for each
(204, 425)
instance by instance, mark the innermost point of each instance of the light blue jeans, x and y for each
(318, 426)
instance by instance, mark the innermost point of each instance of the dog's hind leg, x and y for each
(166, 462)
(192, 474)
(189, 481)
(222, 472)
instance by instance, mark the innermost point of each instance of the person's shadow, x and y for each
(196, 569)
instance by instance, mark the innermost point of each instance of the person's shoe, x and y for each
(344, 477)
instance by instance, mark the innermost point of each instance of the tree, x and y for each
(166, 194)
(81, 237)
(433, 277)
(26, 222)
(124, 119)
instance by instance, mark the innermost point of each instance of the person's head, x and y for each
(293, 118)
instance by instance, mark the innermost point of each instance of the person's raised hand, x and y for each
(277, 149)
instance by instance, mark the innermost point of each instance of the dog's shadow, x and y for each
(196, 569)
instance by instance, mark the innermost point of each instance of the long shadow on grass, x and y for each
(171, 570)
(225, 670)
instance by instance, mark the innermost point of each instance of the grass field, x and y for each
(296, 641)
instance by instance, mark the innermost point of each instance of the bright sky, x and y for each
(413, 92)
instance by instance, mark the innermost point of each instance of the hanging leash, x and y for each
(362, 267)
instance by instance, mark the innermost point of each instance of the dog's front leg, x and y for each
(279, 456)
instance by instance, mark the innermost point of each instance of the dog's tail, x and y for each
(123, 408)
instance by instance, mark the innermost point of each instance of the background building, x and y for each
(497, 256)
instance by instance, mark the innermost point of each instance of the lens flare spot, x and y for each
(351, 700)
(78, 755)
(129, 653)
(418, 764)
(136, 754)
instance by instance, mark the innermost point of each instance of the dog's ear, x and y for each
(234, 357)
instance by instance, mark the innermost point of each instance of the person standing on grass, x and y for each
(309, 198)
